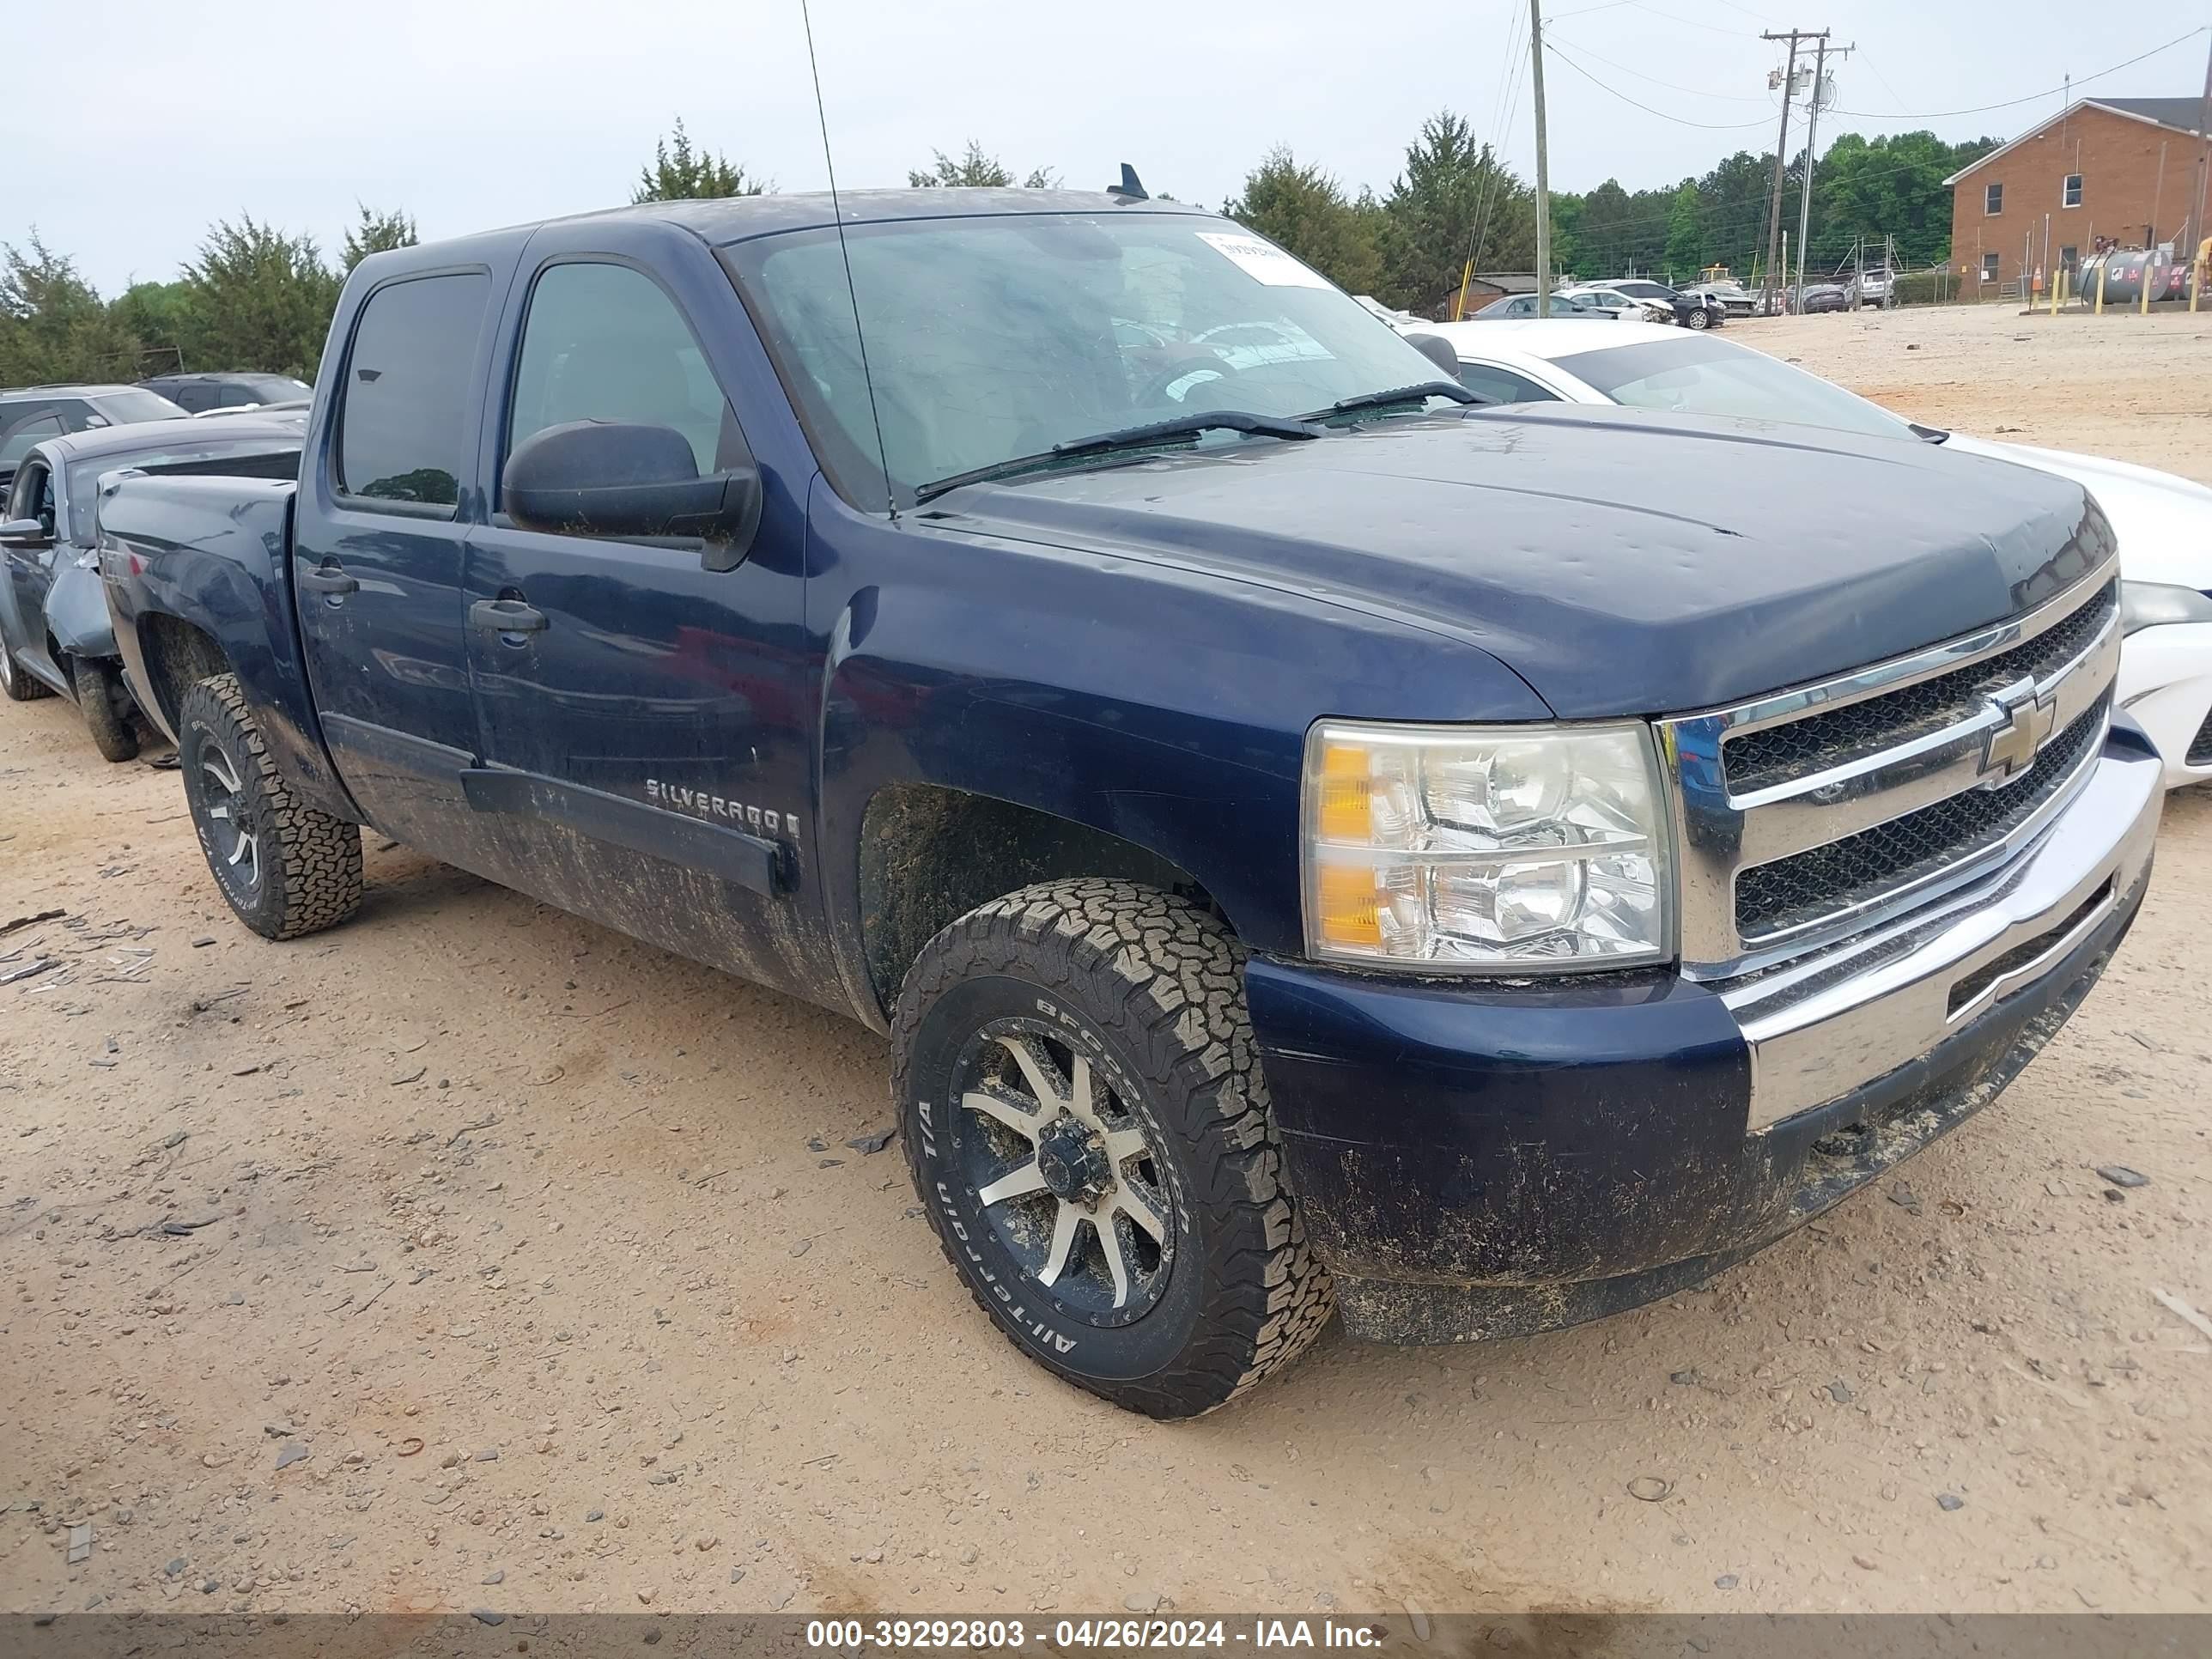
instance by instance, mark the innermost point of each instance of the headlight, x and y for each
(2147, 604)
(1501, 850)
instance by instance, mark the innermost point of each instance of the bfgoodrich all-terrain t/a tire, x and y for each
(286, 869)
(1088, 1128)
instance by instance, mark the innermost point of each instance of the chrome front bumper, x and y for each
(1834, 1020)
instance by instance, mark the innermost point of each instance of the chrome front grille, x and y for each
(1773, 898)
(1810, 814)
(1758, 760)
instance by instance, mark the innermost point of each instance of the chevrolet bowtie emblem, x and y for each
(2026, 724)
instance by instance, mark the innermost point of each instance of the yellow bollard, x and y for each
(2144, 308)
(2057, 288)
(2100, 288)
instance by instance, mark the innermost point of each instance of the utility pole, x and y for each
(1543, 163)
(1812, 129)
(2198, 230)
(1782, 152)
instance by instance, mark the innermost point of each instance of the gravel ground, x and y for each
(475, 1256)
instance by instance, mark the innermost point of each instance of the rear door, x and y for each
(376, 556)
(30, 567)
(644, 720)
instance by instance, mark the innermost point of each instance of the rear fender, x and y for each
(213, 554)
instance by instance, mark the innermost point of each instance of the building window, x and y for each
(1989, 267)
(2069, 193)
(1993, 199)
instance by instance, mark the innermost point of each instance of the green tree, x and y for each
(259, 298)
(1303, 209)
(682, 172)
(53, 324)
(160, 316)
(975, 169)
(376, 233)
(1454, 201)
(1891, 186)
(1686, 233)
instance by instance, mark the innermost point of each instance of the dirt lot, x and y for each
(474, 1246)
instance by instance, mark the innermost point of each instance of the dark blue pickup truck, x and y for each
(1311, 844)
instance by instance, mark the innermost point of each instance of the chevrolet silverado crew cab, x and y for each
(1310, 844)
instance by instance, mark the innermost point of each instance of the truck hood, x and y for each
(1621, 563)
(2164, 522)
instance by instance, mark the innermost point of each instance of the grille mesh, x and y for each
(1806, 886)
(1758, 760)
(2200, 746)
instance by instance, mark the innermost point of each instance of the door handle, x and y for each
(506, 616)
(328, 578)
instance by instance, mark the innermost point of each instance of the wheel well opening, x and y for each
(178, 657)
(930, 855)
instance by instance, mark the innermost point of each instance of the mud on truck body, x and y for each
(1310, 844)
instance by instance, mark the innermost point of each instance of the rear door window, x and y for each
(405, 436)
(22, 425)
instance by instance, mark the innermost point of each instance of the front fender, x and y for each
(1164, 706)
(214, 553)
(77, 614)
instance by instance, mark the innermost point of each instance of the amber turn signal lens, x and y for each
(1350, 908)
(1344, 788)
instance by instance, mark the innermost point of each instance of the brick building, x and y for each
(2127, 169)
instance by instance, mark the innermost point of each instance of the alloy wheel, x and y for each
(1064, 1171)
(227, 818)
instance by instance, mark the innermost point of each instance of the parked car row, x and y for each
(1314, 839)
(1634, 300)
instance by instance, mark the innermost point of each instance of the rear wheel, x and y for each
(105, 704)
(286, 869)
(1088, 1128)
(15, 681)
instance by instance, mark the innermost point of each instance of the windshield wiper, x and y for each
(1419, 392)
(1147, 436)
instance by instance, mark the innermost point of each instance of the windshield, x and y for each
(136, 404)
(1699, 375)
(994, 337)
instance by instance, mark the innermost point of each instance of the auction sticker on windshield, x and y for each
(1270, 264)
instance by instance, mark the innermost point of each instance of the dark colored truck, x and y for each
(1310, 843)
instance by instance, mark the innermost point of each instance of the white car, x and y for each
(2164, 523)
(1624, 308)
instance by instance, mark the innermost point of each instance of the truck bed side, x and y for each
(198, 574)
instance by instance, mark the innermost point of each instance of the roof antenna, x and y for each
(845, 253)
(1129, 190)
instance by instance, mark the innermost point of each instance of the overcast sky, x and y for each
(137, 121)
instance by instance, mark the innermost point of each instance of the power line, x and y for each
(1692, 92)
(1691, 22)
(1552, 46)
(2010, 103)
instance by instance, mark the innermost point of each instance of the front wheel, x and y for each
(1700, 318)
(17, 682)
(285, 869)
(102, 700)
(1087, 1126)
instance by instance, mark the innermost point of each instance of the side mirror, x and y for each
(24, 533)
(1438, 350)
(622, 479)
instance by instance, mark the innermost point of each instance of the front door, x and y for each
(644, 718)
(30, 564)
(377, 566)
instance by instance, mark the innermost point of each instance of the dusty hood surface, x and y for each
(1620, 562)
